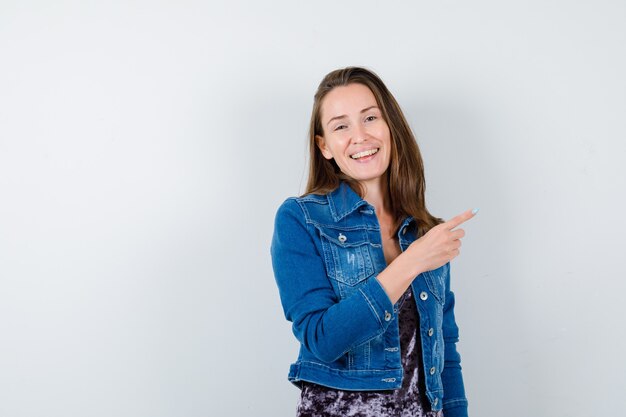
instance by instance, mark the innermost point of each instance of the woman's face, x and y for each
(355, 134)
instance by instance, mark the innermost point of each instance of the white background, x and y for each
(145, 147)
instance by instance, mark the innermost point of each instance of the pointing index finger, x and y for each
(463, 217)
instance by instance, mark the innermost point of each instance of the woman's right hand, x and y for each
(439, 245)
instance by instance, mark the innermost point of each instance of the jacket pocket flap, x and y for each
(436, 280)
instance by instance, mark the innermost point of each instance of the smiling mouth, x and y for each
(364, 153)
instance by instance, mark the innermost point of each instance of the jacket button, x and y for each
(433, 370)
(424, 296)
(431, 331)
(387, 316)
(342, 238)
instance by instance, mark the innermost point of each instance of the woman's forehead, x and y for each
(345, 100)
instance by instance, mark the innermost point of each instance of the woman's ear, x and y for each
(321, 143)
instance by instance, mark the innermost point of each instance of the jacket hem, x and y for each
(347, 380)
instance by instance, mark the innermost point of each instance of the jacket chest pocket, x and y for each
(347, 257)
(436, 280)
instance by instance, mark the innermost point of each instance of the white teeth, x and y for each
(364, 153)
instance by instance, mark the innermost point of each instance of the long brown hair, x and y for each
(405, 174)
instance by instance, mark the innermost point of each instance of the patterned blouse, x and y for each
(408, 401)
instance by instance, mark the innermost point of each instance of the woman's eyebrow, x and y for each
(369, 108)
(335, 118)
(345, 115)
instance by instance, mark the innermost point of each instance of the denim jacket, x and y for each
(326, 254)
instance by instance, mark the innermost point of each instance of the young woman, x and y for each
(362, 267)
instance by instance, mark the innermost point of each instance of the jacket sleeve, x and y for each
(454, 400)
(323, 324)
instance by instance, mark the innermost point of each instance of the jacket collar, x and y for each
(343, 201)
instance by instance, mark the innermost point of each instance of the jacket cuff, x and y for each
(458, 409)
(378, 301)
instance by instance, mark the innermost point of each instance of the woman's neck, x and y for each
(377, 195)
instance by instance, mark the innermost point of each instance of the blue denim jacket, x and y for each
(326, 254)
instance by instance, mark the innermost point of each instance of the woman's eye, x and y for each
(370, 118)
(340, 127)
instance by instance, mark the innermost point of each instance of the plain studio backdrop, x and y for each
(145, 147)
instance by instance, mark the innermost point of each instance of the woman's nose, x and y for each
(359, 134)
